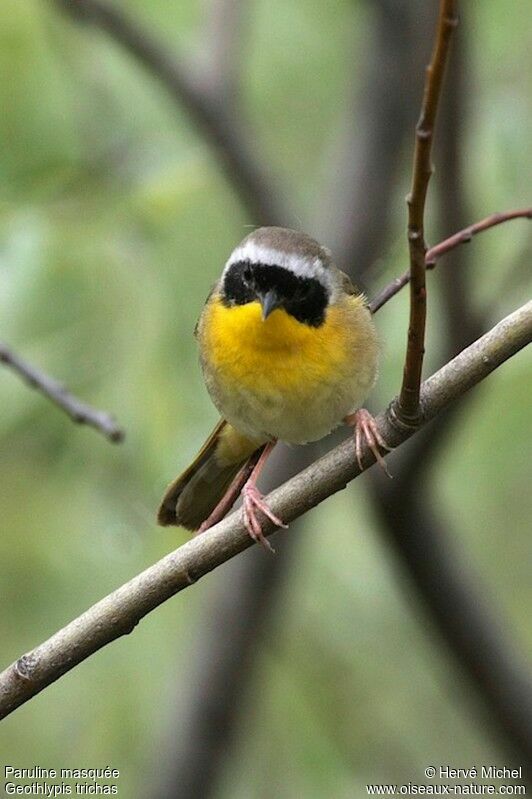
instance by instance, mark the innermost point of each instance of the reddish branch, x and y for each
(78, 411)
(408, 404)
(462, 237)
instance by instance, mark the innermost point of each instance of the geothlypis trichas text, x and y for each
(289, 351)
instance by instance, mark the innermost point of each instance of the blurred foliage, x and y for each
(114, 222)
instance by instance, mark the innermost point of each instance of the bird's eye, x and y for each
(248, 274)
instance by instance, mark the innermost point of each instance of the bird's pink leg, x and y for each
(253, 500)
(366, 430)
(231, 495)
(227, 501)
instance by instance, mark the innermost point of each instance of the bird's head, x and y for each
(281, 269)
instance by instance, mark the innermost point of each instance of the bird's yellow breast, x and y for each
(280, 378)
(279, 353)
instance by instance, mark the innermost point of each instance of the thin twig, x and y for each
(463, 321)
(79, 411)
(119, 612)
(224, 131)
(462, 237)
(409, 396)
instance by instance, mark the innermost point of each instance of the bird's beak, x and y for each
(269, 301)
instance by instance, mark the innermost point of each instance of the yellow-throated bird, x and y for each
(288, 351)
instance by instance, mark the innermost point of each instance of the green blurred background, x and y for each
(114, 222)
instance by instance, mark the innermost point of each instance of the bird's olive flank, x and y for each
(304, 298)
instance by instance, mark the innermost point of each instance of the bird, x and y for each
(289, 351)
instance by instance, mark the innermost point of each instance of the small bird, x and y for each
(289, 351)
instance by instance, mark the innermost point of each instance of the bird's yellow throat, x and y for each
(276, 352)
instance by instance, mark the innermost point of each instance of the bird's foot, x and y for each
(366, 430)
(253, 500)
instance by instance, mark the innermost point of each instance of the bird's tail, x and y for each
(192, 496)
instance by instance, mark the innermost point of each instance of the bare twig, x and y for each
(409, 397)
(464, 236)
(436, 252)
(463, 321)
(119, 612)
(224, 131)
(79, 411)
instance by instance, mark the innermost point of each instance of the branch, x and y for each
(79, 411)
(463, 322)
(464, 236)
(223, 131)
(435, 253)
(409, 398)
(119, 612)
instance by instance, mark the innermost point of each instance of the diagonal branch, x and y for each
(408, 405)
(435, 253)
(118, 613)
(223, 131)
(465, 236)
(79, 411)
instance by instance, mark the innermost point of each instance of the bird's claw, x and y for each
(253, 500)
(366, 430)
